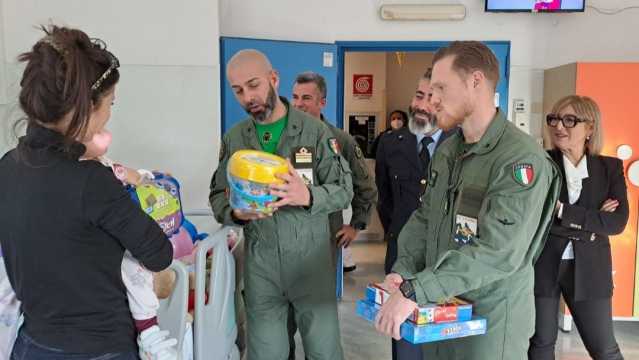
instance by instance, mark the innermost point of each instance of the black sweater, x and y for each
(64, 226)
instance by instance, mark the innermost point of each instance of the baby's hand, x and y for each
(127, 175)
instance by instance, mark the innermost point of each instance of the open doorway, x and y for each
(376, 85)
(380, 77)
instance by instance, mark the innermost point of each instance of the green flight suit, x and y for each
(287, 255)
(494, 268)
(364, 190)
(364, 200)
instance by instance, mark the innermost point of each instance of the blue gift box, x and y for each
(418, 334)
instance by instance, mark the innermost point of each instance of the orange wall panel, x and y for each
(615, 87)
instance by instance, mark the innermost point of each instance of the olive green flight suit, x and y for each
(364, 200)
(493, 268)
(287, 255)
(364, 190)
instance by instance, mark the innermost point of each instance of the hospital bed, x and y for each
(214, 327)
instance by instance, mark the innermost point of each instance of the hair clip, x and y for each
(115, 63)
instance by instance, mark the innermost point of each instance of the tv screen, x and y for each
(535, 5)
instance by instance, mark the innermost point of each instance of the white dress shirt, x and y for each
(431, 147)
(574, 177)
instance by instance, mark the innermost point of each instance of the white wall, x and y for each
(538, 41)
(594, 37)
(166, 113)
(4, 128)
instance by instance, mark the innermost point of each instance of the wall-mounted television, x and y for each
(535, 5)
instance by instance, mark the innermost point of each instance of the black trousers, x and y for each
(593, 319)
(391, 253)
(403, 350)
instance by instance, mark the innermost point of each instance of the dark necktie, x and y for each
(424, 155)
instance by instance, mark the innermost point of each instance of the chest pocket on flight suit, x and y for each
(468, 205)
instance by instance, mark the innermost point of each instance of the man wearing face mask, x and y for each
(288, 260)
(402, 160)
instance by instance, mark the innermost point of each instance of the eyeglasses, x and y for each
(115, 63)
(568, 121)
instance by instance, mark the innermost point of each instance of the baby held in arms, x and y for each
(153, 343)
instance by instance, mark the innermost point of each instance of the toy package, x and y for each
(418, 334)
(454, 309)
(159, 197)
(249, 173)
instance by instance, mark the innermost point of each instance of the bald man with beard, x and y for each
(288, 260)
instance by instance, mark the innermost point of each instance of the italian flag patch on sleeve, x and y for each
(523, 173)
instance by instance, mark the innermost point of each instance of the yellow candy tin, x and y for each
(249, 173)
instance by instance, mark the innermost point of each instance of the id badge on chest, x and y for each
(303, 160)
(465, 229)
(466, 224)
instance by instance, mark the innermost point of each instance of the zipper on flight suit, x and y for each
(452, 193)
(447, 203)
(454, 188)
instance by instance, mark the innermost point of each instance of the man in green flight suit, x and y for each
(496, 186)
(288, 260)
(309, 96)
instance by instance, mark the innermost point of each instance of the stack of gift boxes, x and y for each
(430, 322)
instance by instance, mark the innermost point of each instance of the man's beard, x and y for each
(417, 125)
(268, 106)
(447, 121)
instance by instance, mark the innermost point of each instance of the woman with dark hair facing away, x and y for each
(576, 260)
(66, 223)
(396, 120)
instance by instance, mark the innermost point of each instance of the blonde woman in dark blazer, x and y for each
(576, 260)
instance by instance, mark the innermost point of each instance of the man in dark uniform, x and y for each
(400, 173)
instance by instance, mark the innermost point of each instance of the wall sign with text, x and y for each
(362, 86)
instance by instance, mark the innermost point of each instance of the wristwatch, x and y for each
(407, 289)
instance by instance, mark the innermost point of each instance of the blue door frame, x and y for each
(500, 48)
